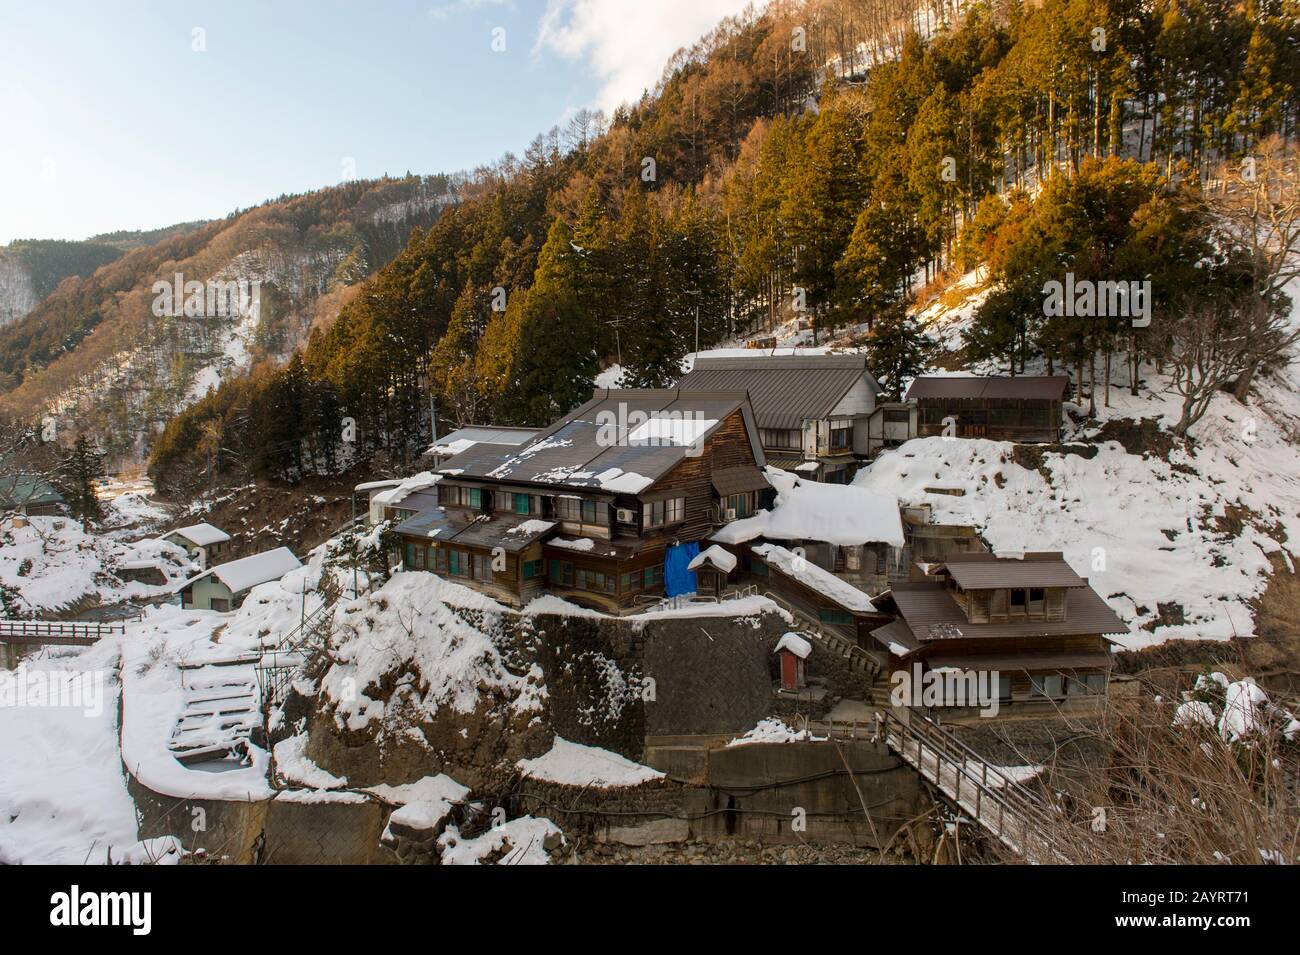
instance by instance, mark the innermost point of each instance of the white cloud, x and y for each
(627, 42)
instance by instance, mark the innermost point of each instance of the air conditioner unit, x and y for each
(626, 515)
(731, 513)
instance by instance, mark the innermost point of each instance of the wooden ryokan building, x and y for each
(597, 507)
(1031, 619)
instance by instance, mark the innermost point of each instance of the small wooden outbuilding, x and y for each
(1025, 408)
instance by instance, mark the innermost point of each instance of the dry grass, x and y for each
(1178, 795)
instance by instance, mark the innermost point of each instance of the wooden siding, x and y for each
(975, 418)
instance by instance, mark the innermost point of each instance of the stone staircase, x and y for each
(220, 712)
(856, 659)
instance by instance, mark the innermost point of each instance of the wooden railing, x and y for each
(57, 632)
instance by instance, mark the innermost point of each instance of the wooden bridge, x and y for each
(1008, 810)
(56, 633)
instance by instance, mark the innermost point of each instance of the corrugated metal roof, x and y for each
(583, 450)
(981, 571)
(464, 438)
(897, 632)
(511, 532)
(1025, 387)
(932, 614)
(785, 390)
(738, 480)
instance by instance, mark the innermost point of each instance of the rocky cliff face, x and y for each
(424, 679)
(17, 293)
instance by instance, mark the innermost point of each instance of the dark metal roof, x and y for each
(932, 614)
(785, 390)
(738, 480)
(980, 571)
(897, 631)
(511, 532)
(1024, 387)
(584, 450)
(555, 547)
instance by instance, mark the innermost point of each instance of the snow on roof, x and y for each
(408, 486)
(813, 577)
(621, 442)
(719, 557)
(377, 485)
(572, 764)
(841, 514)
(682, 432)
(201, 534)
(531, 527)
(248, 572)
(581, 543)
(795, 644)
(464, 438)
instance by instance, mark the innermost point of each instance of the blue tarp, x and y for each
(677, 579)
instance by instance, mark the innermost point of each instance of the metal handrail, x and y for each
(816, 630)
(1011, 798)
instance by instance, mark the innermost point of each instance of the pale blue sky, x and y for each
(112, 120)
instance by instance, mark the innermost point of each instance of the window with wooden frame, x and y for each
(581, 511)
(665, 513)
(785, 439)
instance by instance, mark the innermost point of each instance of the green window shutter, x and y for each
(410, 555)
(521, 503)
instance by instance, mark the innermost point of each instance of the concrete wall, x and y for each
(782, 793)
(281, 830)
(612, 683)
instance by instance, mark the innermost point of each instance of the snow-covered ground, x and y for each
(63, 799)
(52, 562)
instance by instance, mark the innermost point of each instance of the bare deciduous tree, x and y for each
(1258, 209)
